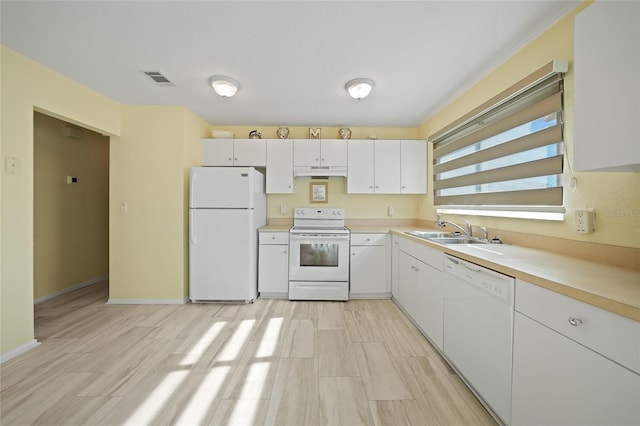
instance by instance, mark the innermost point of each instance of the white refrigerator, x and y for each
(227, 206)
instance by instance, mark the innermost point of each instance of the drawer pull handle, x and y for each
(575, 321)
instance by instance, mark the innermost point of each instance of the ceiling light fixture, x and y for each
(224, 86)
(359, 88)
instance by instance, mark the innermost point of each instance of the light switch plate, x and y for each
(584, 221)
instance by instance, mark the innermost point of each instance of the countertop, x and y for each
(612, 288)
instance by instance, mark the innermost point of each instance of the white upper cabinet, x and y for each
(320, 152)
(413, 167)
(217, 152)
(250, 152)
(333, 152)
(279, 173)
(607, 87)
(234, 152)
(360, 167)
(387, 167)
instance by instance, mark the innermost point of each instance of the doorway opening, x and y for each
(71, 208)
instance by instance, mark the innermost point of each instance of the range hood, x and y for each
(320, 171)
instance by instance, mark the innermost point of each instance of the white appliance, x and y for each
(227, 206)
(478, 330)
(318, 255)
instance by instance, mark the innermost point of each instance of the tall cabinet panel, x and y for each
(413, 167)
(279, 178)
(360, 167)
(387, 167)
(607, 87)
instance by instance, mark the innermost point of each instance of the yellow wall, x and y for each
(614, 196)
(150, 162)
(71, 221)
(27, 86)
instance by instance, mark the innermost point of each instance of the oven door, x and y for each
(319, 257)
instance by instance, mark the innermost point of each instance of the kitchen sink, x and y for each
(430, 234)
(446, 238)
(458, 240)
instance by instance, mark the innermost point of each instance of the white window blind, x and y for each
(508, 153)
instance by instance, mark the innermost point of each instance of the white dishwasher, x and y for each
(478, 330)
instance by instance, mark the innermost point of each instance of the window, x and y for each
(506, 157)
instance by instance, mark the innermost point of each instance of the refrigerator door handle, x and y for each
(191, 226)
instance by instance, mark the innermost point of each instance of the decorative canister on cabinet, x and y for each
(345, 133)
(282, 132)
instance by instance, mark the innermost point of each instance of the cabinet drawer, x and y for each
(614, 336)
(428, 255)
(274, 238)
(368, 239)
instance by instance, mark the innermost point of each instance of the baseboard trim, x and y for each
(19, 350)
(370, 296)
(147, 301)
(70, 289)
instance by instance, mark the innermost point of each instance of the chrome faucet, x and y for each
(467, 230)
(485, 233)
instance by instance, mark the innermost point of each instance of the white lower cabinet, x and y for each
(557, 376)
(273, 264)
(395, 250)
(408, 269)
(369, 276)
(429, 303)
(420, 287)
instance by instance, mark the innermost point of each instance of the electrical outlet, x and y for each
(283, 209)
(11, 165)
(584, 221)
(124, 208)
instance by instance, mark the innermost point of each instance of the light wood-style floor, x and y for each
(274, 362)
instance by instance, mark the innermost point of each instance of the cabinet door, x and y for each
(407, 283)
(306, 152)
(413, 167)
(333, 152)
(249, 152)
(368, 269)
(360, 167)
(607, 87)
(273, 269)
(217, 152)
(279, 179)
(395, 251)
(430, 302)
(558, 381)
(387, 167)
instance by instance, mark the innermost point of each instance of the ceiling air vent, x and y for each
(159, 79)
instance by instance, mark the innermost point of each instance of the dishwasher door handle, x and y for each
(472, 269)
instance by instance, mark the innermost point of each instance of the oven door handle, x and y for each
(326, 237)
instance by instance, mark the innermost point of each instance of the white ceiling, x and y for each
(291, 59)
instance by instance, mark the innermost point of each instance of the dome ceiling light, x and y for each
(224, 86)
(359, 88)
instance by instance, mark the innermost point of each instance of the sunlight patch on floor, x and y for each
(236, 342)
(201, 401)
(157, 399)
(244, 412)
(269, 340)
(203, 344)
